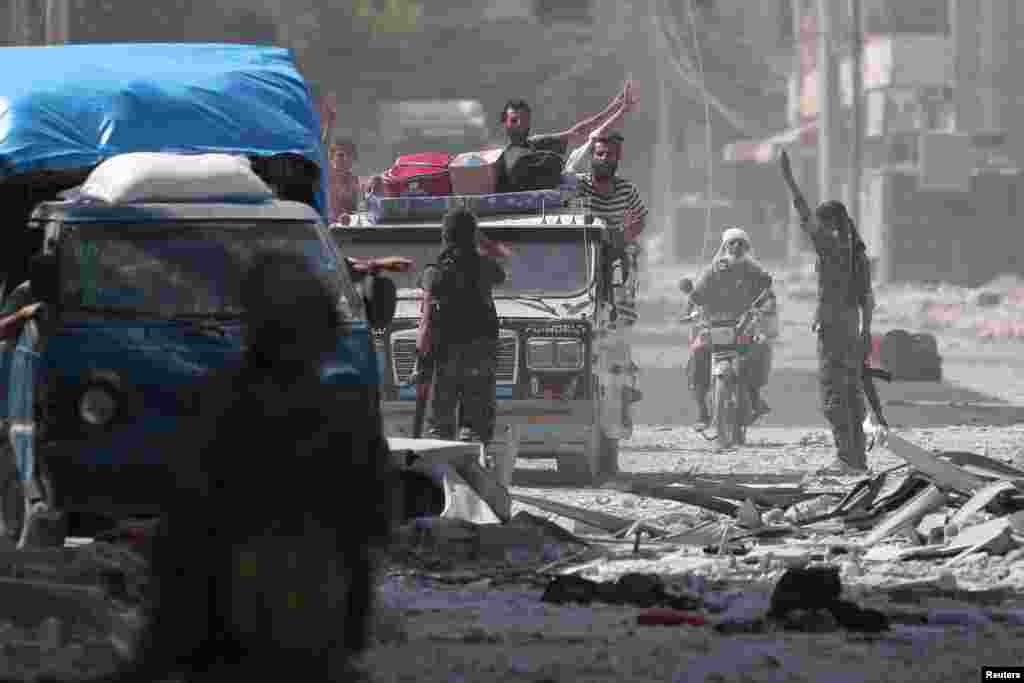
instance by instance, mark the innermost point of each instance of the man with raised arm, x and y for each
(842, 319)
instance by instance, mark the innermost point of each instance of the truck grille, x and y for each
(403, 355)
(380, 347)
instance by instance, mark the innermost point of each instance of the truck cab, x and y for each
(566, 382)
(140, 306)
(113, 316)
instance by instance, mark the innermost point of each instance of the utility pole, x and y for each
(58, 22)
(18, 20)
(964, 19)
(826, 102)
(662, 175)
(795, 232)
(857, 134)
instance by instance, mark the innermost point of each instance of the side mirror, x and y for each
(43, 276)
(381, 297)
(686, 285)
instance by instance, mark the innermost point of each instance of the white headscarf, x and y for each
(729, 235)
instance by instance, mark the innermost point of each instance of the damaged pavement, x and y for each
(751, 558)
(785, 557)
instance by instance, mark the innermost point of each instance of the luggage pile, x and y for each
(424, 186)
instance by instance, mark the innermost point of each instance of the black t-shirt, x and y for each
(465, 304)
(844, 274)
(513, 152)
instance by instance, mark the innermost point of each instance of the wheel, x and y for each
(12, 503)
(44, 527)
(576, 467)
(725, 411)
(608, 456)
(743, 412)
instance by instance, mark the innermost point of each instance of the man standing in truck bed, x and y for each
(615, 200)
(515, 119)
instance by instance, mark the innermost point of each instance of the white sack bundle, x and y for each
(165, 177)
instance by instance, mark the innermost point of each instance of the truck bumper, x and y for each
(545, 427)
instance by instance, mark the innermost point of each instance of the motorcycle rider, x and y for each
(724, 292)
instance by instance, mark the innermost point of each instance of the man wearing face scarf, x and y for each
(842, 320)
(613, 199)
(463, 329)
(725, 291)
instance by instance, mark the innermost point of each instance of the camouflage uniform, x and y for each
(464, 348)
(844, 286)
(465, 375)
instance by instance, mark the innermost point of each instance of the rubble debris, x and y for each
(748, 516)
(943, 473)
(983, 466)
(680, 494)
(993, 536)
(701, 490)
(982, 499)
(526, 540)
(865, 519)
(601, 520)
(908, 515)
(701, 535)
(932, 527)
(812, 510)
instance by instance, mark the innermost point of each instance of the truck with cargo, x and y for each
(565, 377)
(116, 311)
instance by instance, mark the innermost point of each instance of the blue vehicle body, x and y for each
(65, 109)
(154, 365)
(72, 106)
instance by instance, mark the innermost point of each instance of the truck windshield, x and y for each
(183, 270)
(536, 268)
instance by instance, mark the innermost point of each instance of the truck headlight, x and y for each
(97, 406)
(540, 353)
(570, 354)
(554, 354)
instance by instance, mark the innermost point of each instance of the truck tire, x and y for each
(743, 410)
(44, 529)
(725, 417)
(608, 457)
(12, 503)
(576, 467)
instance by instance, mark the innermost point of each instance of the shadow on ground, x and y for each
(539, 478)
(795, 401)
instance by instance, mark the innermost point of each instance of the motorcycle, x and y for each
(730, 341)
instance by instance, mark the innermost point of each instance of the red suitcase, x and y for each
(425, 173)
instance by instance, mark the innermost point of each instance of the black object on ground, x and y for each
(801, 595)
(638, 590)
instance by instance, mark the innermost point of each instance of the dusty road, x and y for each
(486, 632)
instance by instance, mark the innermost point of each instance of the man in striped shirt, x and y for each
(614, 199)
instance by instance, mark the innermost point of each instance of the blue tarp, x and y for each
(72, 106)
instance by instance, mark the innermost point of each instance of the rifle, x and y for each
(868, 377)
(422, 377)
(423, 373)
